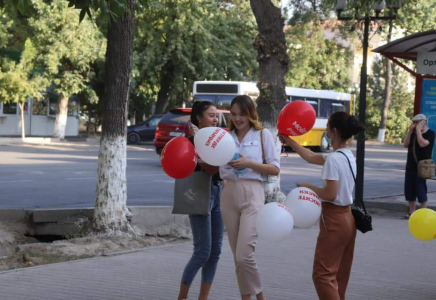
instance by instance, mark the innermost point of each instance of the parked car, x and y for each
(144, 131)
(175, 123)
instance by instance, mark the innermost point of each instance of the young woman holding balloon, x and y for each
(335, 244)
(208, 230)
(243, 194)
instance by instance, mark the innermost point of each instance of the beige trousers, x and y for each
(240, 203)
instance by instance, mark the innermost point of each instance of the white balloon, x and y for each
(274, 222)
(305, 206)
(214, 145)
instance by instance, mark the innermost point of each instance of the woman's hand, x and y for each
(303, 184)
(240, 163)
(286, 139)
(192, 128)
(412, 126)
(419, 126)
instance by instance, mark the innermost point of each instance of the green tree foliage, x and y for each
(66, 48)
(400, 109)
(315, 61)
(180, 41)
(416, 16)
(18, 82)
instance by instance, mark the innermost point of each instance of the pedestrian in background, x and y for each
(419, 139)
(244, 194)
(207, 231)
(335, 245)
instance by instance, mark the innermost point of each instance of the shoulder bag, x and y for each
(362, 218)
(426, 167)
(192, 194)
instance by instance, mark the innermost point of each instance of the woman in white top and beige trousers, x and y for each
(243, 194)
(335, 245)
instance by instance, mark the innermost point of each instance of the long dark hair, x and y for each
(198, 109)
(345, 124)
(246, 105)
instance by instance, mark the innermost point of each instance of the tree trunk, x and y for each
(23, 129)
(111, 213)
(273, 61)
(61, 117)
(387, 100)
(165, 84)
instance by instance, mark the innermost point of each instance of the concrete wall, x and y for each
(151, 220)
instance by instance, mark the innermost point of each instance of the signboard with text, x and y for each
(426, 63)
(428, 105)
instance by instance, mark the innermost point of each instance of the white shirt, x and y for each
(336, 168)
(251, 148)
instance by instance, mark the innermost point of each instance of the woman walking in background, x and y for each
(335, 245)
(243, 194)
(208, 230)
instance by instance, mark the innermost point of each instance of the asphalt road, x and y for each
(65, 175)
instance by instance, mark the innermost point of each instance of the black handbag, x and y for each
(362, 218)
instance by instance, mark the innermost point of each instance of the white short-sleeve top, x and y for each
(251, 148)
(336, 168)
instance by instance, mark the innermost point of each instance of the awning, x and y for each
(408, 47)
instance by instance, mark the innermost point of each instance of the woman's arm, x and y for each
(406, 141)
(306, 154)
(327, 193)
(244, 162)
(422, 142)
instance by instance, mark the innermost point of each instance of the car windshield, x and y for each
(154, 121)
(175, 117)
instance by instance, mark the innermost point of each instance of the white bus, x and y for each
(223, 92)
(324, 102)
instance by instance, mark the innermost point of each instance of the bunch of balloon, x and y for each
(274, 222)
(296, 118)
(305, 206)
(214, 146)
(178, 158)
(422, 224)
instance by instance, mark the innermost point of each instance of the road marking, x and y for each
(131, 176)
(12, 181)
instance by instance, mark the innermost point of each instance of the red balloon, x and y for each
(296, 118)
(178, 158)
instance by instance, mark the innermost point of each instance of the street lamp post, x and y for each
(360, 147)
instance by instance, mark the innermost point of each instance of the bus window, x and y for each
(296, 98)
(222, 88)
(224, 101)
(326, 108)
(210, 98)
(314, 103)
(337, 106)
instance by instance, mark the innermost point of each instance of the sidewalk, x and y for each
(397, 202)
(389, 264)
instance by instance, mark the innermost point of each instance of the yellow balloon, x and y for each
(422, 224)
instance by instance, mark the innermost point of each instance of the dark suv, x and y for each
(175, 123)
(144, 131)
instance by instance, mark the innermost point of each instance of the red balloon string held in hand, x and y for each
(296, 118)
(178, 158)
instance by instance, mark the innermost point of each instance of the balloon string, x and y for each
(284, 150)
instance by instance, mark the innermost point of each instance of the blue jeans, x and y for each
(207, 232)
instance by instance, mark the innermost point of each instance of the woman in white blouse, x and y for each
(243, 193)
(335, 245)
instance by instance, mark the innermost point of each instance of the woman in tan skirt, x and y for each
(243, 193)
(335, 245)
